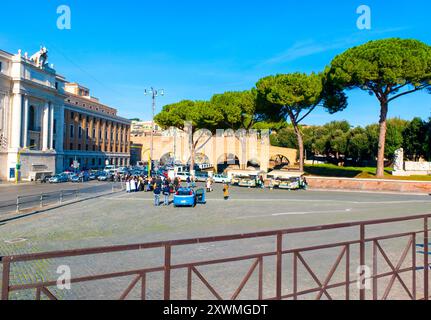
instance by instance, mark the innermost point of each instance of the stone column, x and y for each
(25, 124)
(51, 127)
(59, 137)
(16, 121)
(45, 127)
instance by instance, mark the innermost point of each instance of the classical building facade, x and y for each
(38, 110)
(94, 134)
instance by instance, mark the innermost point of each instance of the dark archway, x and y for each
(279, 161)
(226, 161)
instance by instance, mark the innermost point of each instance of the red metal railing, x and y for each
(257, 264)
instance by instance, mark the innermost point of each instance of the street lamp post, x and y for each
(154, 94)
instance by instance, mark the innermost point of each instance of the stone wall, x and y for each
(369, 185)
(424, 167)
(3, 167)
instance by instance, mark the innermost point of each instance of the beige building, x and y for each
(46, 122)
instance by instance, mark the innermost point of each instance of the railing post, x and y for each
(167, 284)
(17, 204)
(426, 259)
(5, 279)
(279, 266)
(362, 292)
(41, 200)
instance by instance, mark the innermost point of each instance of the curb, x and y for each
(371, 191)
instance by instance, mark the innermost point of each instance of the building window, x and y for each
(79, 147)
(72, 114)
(100, 162)
(94, 134)
(94, 148)
(56, 85)
(53, 144)
(86, 147)
(32, 142)
(55, 126)
(72, 129)
(1, 66)
(79, 132)
(31, 119)
(93, 162)
(71, 146)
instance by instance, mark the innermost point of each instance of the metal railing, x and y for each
(42, 200)
(320, 289)
(45, 199)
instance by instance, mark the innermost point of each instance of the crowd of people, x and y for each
(161, 186)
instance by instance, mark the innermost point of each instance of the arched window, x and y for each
(31, 119)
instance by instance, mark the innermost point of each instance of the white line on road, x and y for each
(295, 214)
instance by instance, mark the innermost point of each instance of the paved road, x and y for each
(30, 193)
(131, 218)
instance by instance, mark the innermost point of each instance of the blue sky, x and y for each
(194, 49)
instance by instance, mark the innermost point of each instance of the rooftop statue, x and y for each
(41, 57)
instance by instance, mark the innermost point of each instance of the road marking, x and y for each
(295, 213)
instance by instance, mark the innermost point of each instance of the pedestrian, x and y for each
(166, 193)
(262, 182)
(188, 182)
(128, 186)
(226, 191)
(209, 185)
(176, 183)
(132, 185)
(157, 192)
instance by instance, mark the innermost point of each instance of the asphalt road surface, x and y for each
(31, 192)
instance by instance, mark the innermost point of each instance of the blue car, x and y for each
(187, 197)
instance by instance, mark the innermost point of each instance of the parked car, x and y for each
(104, 177)
(183, 175)
(201, 176)
(248, 182)
(59, 178)
(187, 197)
(75, 178)
(45, 179)
(220, 178)
(236, 179)
(295, 183)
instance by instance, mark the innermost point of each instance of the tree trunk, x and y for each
(300, 146)
(192, 159)
(382, 140)
(244, 153)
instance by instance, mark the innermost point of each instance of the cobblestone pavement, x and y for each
(131, 218)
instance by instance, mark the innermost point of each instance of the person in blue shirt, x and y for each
(157, 192)
(166, 193)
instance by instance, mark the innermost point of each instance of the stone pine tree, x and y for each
(295, 96)
(239, 114)
(388, 69)
(193, 117)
